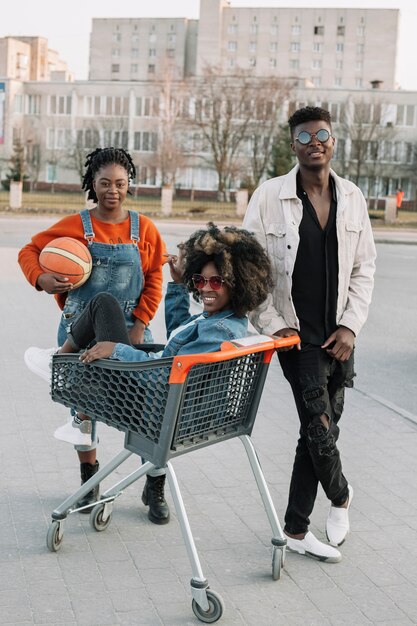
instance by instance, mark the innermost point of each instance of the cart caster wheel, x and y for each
(54, 537)
(215, 610)
(96, 518)
(277, 563)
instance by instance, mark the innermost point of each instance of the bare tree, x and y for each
(169, 155)
(369, 135)
(236, 117)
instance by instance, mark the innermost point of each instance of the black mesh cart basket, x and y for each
(168, 407)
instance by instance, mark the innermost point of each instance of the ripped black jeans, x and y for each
(318, 384)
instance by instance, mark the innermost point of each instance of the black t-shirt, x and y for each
(315, 276)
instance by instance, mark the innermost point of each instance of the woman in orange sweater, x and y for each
(127, 252)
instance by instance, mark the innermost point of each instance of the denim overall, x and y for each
(117, 269)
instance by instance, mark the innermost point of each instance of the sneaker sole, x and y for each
(317, 557)
(86, 441)
(36, 370)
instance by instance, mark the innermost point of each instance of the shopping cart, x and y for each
(168, 407)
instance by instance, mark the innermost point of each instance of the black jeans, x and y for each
(318, 384)
(101, 320)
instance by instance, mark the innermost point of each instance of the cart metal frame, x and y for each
(168, 407)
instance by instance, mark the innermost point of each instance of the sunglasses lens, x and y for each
(304, 137)
(323, 135)
(199, 281)
(216, 282)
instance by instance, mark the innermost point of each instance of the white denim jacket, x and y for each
(274, 215)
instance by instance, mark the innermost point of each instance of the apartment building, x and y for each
(29, 58)
(338, 64)
(330, 48)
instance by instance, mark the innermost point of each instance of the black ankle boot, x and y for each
(153, 495)
(87, 471)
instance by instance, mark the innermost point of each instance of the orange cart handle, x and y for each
(229, 350)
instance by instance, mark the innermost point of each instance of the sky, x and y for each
(67, 25)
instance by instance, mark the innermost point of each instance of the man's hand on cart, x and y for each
(287, 332)
(102, 350)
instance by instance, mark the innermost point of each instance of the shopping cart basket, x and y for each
(168, 407)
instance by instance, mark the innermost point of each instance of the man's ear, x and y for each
(292, 146)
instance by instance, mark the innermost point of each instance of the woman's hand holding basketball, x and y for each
(102, 350)
(53, 283)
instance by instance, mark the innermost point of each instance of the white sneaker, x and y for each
(39, 361)
(337, 523)
(311, 546)
(75, 431)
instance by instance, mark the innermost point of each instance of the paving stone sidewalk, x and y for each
(138, 573)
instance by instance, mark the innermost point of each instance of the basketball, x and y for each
(69, 258)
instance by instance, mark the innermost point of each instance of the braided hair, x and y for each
(100, 158)
(240, 260)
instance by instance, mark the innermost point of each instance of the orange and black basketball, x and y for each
(69, 258)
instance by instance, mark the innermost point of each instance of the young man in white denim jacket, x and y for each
(316, 230)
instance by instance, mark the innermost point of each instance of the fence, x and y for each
(70, 202)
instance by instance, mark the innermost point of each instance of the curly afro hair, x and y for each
(239, 259)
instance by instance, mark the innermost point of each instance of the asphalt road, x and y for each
(386, 355)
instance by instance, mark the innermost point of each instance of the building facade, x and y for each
(145, 95)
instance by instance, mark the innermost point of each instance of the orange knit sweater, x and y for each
(151, 248)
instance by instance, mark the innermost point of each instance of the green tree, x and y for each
(282, 157)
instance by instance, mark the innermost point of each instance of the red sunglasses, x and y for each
(215, 282)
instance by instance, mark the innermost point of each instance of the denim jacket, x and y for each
(205, 335)
(274, 215)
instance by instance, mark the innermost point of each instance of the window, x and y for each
(360, 48)
(339, 47)
(405, 115)
(51, 173)
(316, 81)
(134, 68)
(295, 29)
(340, 30)
(254, 29)
(232, 29)
(151, 69)
(172, 38)
(339, 64)
(317, 64)
(33, 106)
(134, 53)
(294, 64)
(135, 38)
(117, 37)
(359, 66)
(152, 52)
(358, 83)
(232, 46)
(252, 46)
(339, 152)
(319, 30)
(115, 67)
(295, 46)
(274, 30)
(170, 53)
(252, 62)
(337, 81)
(272, 62)
(152, 38)
(273, 46)
(231, 63)
(18, 103)
(145, 141)
(115, 52)
(360, 31)
(317, 47)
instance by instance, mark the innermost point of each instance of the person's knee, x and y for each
(322, 436)
(104, 299)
